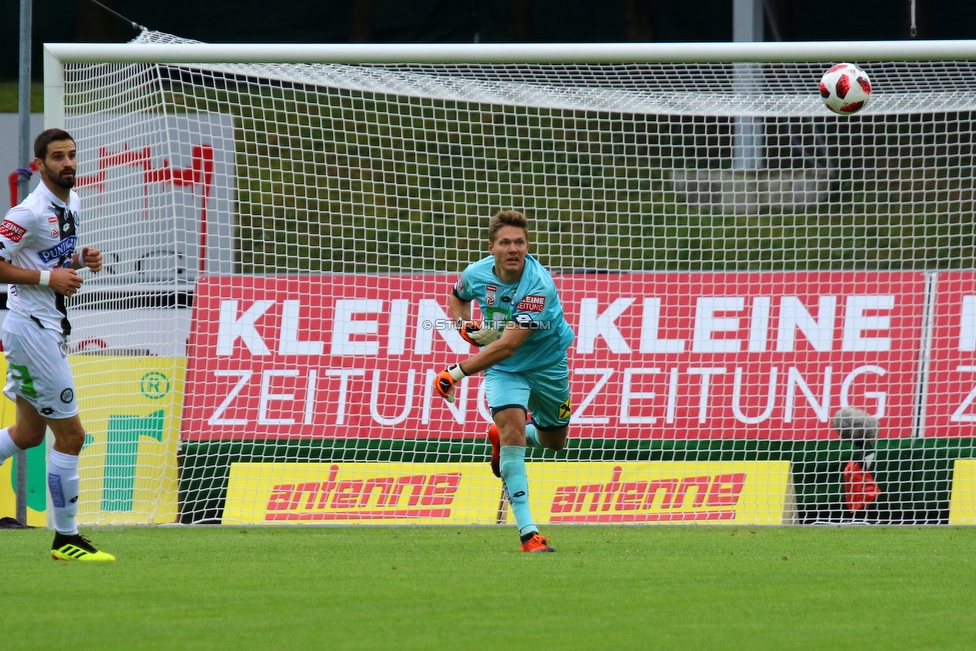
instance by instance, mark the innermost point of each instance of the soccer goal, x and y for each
(773, 305)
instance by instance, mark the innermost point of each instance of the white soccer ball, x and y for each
(845, 89)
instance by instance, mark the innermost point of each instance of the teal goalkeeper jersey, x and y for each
(531, 302)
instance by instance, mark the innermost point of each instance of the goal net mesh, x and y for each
(738, 264)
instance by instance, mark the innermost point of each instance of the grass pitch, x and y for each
(468, 588)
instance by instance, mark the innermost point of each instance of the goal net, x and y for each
(739, 265)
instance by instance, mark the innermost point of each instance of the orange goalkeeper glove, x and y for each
(445, 381)
(473, 333)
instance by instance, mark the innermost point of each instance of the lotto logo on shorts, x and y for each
(12, 231)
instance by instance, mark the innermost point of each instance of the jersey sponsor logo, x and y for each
(12, 231)
(490, 291)
(532, 303)
(62, 248)
(55, 228)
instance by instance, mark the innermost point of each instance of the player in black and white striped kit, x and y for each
(38, 258)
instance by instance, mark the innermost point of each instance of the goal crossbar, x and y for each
(56, 55)
(509, 53)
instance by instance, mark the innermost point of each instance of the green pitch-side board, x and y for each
(915, 475)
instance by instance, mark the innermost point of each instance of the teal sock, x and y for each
(532, 435)
(512, 465)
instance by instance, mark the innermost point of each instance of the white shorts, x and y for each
(38, 369)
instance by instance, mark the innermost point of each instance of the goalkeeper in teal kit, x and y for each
(524, 337)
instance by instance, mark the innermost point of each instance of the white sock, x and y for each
(7, 446)
(62, 481)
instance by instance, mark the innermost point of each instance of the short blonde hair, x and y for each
(507, 218)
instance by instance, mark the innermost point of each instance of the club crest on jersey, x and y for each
(532, 303)
(12, 231)
(490, 292)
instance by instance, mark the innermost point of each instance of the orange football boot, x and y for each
(495, 449)
(537, 543)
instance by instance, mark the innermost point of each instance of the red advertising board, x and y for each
(950, 381)
(666, 355)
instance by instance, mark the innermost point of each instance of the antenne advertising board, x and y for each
(710, 355)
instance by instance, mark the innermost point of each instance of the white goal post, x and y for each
(738, 264)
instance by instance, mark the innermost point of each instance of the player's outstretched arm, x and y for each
(502, 348)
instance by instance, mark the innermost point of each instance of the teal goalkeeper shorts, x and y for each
(543, 392)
